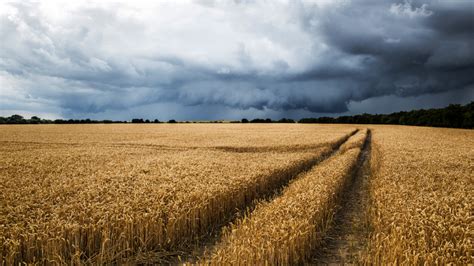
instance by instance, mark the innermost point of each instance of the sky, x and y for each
(216, 59)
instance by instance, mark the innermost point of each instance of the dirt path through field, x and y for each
(349, 235)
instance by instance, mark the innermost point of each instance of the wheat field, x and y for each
(422, 189)
(231, 193)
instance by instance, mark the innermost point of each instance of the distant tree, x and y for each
(138, 120)
(16, 119)
(245, 120)
(156, 121)
(172, 121)
(259, 120)
(35, 120)
(285, 120)
(468, 116)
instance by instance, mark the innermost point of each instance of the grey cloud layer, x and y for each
(284, 57)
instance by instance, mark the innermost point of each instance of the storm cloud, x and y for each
(229, 59)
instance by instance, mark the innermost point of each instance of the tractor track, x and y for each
(347, 238)
(204, 249)
(200, 248)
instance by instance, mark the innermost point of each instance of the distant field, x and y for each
(235, 194)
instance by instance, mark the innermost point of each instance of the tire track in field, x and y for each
(206, 245)
(349, 233)
(198, 248)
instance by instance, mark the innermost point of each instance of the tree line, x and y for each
(18, 119)
(455, 116)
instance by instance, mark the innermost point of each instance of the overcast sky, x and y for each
(209, 59)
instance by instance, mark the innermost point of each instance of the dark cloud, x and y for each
(413, 49)
(232, 58)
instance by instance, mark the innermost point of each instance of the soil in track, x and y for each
(348, 236)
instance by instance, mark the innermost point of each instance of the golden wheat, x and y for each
(99, 193)
(421, 189)
(285, 230)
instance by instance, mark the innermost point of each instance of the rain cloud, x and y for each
(230, 59)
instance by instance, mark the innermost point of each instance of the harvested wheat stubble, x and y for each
(286, 229)
(104, 198)
(421, 190)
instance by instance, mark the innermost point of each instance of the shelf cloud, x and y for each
(229, 59)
